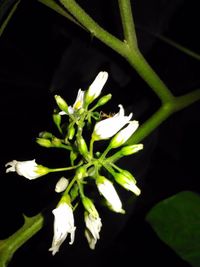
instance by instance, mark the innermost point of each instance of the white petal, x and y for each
(61, 185)
(109, 127)
(107, 189)
(27, 168)
(63, 224)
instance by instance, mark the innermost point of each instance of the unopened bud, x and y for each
(71, 132)
(126, 180)
(45, 135)
(129, 150)
(61, 185)
(103, 100)
(82, 147)
(44, 142)
(81, 173)
(89, 206)
(61, 103)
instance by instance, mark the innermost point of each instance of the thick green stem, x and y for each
(162, 114)
(139, 63)
(129, 52)
(94, 28)
(10, 245)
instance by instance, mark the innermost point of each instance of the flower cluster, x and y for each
(85, 161)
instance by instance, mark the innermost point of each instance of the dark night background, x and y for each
(42, 53)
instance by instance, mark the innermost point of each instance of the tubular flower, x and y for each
(29, 169)
(63, 224)
(93, 227)
(107, 189)
(107, 128)
(122, 136)
(95, 88)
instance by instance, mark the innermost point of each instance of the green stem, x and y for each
(65, 168)
(162, 114)
(128, 23)
(139, 63)
(94, 28)
(129, 52)
(10, 245)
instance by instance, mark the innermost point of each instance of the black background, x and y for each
(42, 53)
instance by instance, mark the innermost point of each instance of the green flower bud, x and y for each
(81, 173)
(129, 150)
(57, 120)
(56, 142)
(44, 142)
(89, 206)
(71, 132)
(73, 156)
(122, 136)
(82, 147)
(126, 180)
(103, 100)
(45, 135)
(61, 103)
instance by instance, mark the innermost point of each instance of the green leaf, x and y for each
(176, 221)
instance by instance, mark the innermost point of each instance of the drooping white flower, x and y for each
(29, 169)
(96, 87)
(93, 227)
(78, 104)
(122, 136)
(107, 128)
(107, 189)
(61, 185)
(63, 225)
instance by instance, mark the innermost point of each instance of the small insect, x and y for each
(104, 115)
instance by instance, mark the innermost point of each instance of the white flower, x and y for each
(107, 189)
(78, 104)
(93, 225)
(121, 137)
(95, 88)
(109, 127)
(29, 169)
(61, 185)
(63, 224)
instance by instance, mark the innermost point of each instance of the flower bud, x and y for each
(126, 180)
(103, 100)
(107, 189)
(61, 103)
(82, 146)
(89, 206)
(81, 172)
(95, 88)
(129, 150)
(121, 137)
(61, 185)
(56, 142)
(71, 132)
(44, 142)
(57, 120)
(45, 135)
